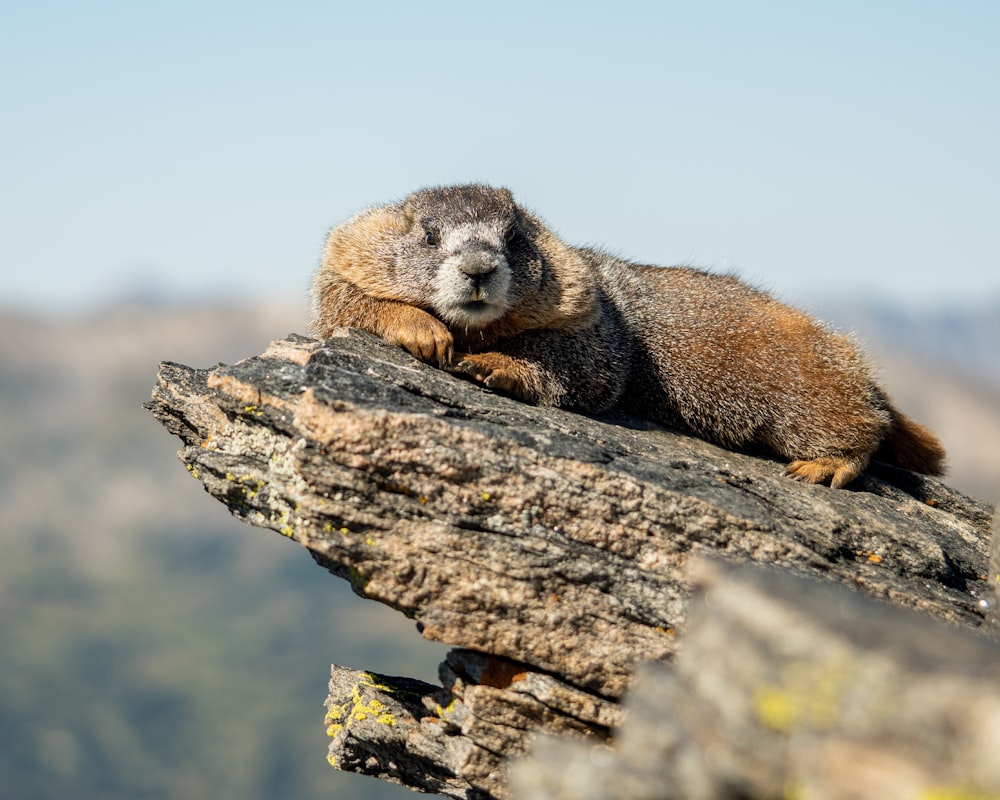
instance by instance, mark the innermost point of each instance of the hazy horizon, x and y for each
(180, 298)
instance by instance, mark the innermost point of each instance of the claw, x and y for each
(838, 471)
(495, 371)
(424, 337)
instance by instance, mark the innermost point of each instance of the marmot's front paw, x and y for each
(500, 373)
(424, 337)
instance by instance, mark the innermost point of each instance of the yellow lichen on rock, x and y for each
(808, 695)
(358, 709)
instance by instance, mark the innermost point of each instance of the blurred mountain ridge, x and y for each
(964, 339)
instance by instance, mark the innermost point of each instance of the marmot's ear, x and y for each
(366, 237)
(384, 223)
(363, 249)
(406, 212)
(526, 222)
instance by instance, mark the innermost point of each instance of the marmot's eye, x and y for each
(510, 235)
(430, 239)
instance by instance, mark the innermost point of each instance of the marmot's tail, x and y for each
(910, 445)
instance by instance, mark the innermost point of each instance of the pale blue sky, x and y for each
(204, 148)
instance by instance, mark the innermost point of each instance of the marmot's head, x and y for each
(469, 255)
(458, 248)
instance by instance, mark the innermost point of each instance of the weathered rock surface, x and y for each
(551, 547)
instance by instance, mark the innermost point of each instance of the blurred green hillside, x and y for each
(152, 646)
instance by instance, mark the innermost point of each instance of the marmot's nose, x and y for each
(478, 262)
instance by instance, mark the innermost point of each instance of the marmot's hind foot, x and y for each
(498, 372)
(838, 471)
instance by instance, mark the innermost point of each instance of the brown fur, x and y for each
(464, 278)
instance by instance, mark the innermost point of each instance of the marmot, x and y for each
(463, 277)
